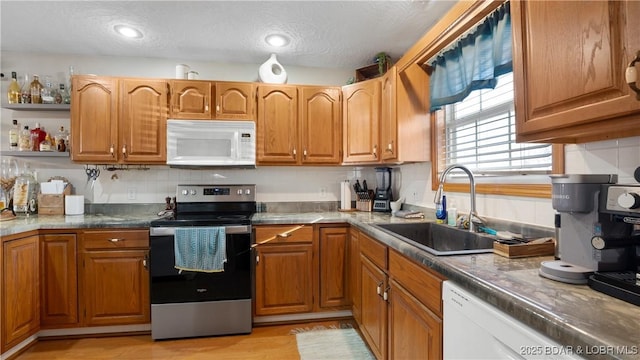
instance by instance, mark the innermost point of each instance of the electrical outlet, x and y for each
(323, 192)
(131, 194)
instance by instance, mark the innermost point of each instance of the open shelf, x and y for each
(38, 107)
(34, 153)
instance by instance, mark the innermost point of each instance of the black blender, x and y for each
(382, 196)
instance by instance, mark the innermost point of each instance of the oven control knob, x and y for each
(248, 191)
(629, 200)
(192, 192)
(185, 192)
(239, 192)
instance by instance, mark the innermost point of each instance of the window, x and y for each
(480, 134)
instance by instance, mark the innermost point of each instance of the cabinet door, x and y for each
(284, 279)
(361, 121)
(332, 246)
(235, 101)
(94, 119)
(20, 283)
(354, 274)
(191, 99)
(320, 125)
(115, 287)
(143, 121)
(374, 307)
(388, 119)
(59, 287)
(277, 125)
(569, 62)
(412, 115)
(414, 331)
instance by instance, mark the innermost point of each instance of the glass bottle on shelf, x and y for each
(37, 136)
(13, 93)
(62, 140)
(47, 93)
(46, 144)
(14, 135)
(25, 89)
(24, 141)
(63, 95)
(36, 89)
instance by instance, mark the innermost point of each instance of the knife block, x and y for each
(364, 200)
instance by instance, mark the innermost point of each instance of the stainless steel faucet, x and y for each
(472, 193)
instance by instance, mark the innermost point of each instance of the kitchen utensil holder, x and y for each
(364, 200)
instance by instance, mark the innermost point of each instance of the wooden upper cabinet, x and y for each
(143, 121)
(320, 125)
(235, 101)
(118, 120)
(361, 121)
(569, 63)
(413, 124)
(94, 119)
(277, 125)
(192, 99)
(388, 118)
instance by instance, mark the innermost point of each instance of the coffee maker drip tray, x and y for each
(624, 285)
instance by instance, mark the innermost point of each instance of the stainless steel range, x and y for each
(195, 303)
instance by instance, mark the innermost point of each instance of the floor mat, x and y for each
(331, 344)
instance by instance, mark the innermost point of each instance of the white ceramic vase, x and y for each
(272, 71)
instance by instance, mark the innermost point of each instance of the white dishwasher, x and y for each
(475, 330)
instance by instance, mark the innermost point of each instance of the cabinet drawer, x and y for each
(374, 250)
(422, 283)
(114, 239)
(284, 234)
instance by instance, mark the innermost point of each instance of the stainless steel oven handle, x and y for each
(170, 231)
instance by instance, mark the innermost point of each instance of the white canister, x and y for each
(181, 71)
(74, 204)
(192, 75)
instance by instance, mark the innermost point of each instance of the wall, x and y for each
(413, 181)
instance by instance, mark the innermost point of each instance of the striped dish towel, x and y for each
(200, 249)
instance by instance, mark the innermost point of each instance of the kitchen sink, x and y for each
(440, 239)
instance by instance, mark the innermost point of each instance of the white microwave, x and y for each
(202, 143)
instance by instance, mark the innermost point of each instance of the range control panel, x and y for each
(624, 199)
(215, 193)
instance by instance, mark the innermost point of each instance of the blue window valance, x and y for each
(474, 61)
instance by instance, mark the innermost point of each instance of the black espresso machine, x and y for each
(621, 203)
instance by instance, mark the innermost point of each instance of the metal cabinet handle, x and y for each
(284, 235)
(124, 151)
(112, 150)
(115, 240)
(375, 150)
(145, 261)
(257, 259)
(379, 288)
(295, 152)
(206, 105)
(385, 295)
(304, 153)
(218, 108)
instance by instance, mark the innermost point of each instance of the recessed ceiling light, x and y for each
(277, 40)
(128, 31)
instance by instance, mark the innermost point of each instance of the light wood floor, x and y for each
(265, 342)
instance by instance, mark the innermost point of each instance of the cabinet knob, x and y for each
(115, 240)
(295, 152)
(631, 75)
(124, 150)
(375, 150)
(112, 151)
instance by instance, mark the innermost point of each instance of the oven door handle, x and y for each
(170, 231)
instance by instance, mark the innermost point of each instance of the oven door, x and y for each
(168, 285)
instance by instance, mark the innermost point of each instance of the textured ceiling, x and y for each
(330, 34)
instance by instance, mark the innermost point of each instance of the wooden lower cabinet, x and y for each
(415, 332)
(374, 307)
(332, 250)
(400, 305)
(114, 278)
(284, 270)
(59, 281)
(21, 295)
(354, 274)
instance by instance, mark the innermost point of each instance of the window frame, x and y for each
(489, 188)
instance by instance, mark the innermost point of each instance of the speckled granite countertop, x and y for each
(572, 315)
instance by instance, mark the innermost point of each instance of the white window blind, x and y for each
(480, 134)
